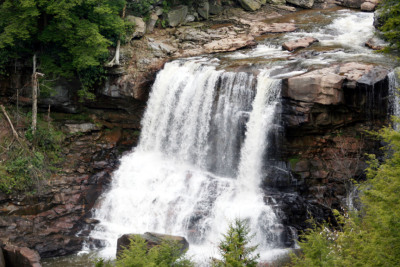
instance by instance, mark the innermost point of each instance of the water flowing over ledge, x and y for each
(199, 161)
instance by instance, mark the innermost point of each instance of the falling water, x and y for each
(198, 164)
(394, 94)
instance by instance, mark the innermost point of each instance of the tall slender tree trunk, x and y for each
(34, 95)
(115, 60)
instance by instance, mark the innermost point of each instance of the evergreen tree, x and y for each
(235, 248)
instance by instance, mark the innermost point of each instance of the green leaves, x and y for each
(70, 36)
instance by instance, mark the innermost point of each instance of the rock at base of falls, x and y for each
(152, 239)
(299, 43)
(20, 256)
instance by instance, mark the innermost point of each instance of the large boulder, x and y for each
(140, 26)
(21, 257)
(203, 9)
(299, 43)
(351, 3)
(251, 5)
(301, 3)
(369, 5)
(177, 15)
(152, 239)
(319, 86)
(326, 86)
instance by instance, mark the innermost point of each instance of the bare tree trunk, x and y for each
(9, 122)
(115, 60)
(34, 95)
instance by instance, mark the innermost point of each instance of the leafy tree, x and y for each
(168, 253)
(369, 237)
(70, 38)
(390, 15)
(235, 249)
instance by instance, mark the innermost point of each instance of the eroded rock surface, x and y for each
(299, 43)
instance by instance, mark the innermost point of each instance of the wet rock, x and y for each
(152, 239)
(376, 43)
(299, 43)
(21, 257)
(140, 26)
(177, 15)
(301, 3)
(379, 18)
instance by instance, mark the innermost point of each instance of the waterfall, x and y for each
(394, 101)
(198, 165)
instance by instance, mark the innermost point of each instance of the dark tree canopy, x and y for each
(390, 12)
(70, 37)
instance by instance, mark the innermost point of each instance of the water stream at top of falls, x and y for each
(202, 149)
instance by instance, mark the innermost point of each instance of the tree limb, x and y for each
(9, 121)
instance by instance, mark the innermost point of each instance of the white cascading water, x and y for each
(198, 165)
(394, 94)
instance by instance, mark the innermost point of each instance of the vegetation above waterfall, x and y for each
(69, 38)
(390, 15)
(370, 236)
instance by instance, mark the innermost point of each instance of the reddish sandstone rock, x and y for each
(21, 257)
(299, 43)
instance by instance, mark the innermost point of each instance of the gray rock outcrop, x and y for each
(251, 5)
(177, 15)
(301, 3)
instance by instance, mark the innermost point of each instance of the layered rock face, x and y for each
(325, 113)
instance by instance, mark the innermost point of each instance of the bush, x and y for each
(164, 255)
(235, 249)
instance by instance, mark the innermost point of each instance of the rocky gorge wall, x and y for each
(324, 113)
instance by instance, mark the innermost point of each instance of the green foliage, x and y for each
(142, 8)
(235, 248)
(32, 159)
(391, 17)
(369, 237)
(168, 253)
(70, 37)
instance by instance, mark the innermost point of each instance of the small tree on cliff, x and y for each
(235, 248)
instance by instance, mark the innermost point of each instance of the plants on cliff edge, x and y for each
(235, 248)
(30, 160)
(390, 10)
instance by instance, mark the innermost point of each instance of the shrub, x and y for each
(168, 253)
